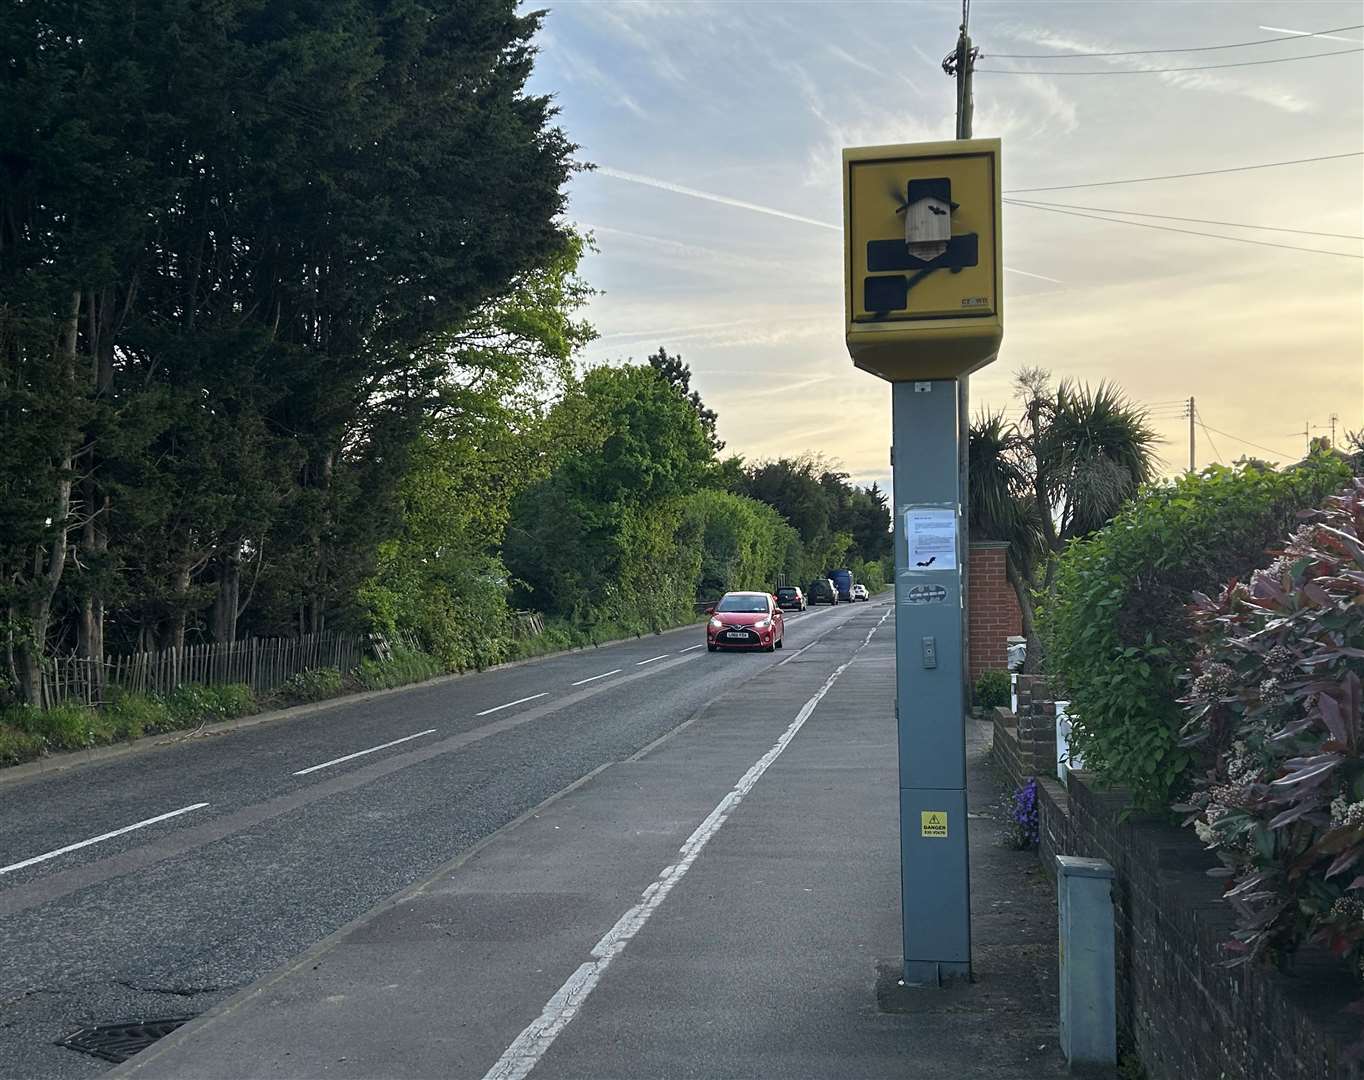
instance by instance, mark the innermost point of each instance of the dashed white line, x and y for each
(362, 753)
(594, 678)
(651, 659)
(527, 1048)
(508, 705)
(690, 647)
(102, 836)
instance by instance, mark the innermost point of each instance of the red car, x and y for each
(746, 620)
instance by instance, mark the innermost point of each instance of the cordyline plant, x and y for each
(1275, 706)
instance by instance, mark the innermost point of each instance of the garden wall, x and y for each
(992, 608)
(1188, 1016)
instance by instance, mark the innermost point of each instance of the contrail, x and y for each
(725, 200)
(709, 196)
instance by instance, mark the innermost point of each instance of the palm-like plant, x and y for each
(1059, 473)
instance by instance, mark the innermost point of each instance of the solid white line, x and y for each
(362, 753)
(652, 659)
(690, 647)
(527, 1048)
(102, 836)
(594, 678)
(508, 705)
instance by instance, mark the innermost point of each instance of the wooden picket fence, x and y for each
(264, 664)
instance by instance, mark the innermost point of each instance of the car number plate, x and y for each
(736, 634)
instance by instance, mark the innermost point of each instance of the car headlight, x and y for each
(762, 624)
(715, 624)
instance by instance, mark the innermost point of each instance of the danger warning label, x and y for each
(933, 823)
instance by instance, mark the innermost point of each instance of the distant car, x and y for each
(746, 620)
(859, 592)
(843, 582)
(790, 596)
(822, 591)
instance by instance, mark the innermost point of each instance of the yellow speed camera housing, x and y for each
(923, 266)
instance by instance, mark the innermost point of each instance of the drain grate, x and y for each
(119, 1042)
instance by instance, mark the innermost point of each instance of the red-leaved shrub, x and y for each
(1275, 706)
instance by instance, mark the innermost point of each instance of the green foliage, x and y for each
(992, 689)
(1275, 714)
(66, 727)
(247, 252)
(191, 705)
(406, 666)
(837, 524)
(17, 746)
(315, 684)
(745, 544)
(1116, 629)
(133, 715)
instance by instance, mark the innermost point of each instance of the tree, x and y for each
(1060, 472)
(678, 375)
(601, 517)
(229, 236)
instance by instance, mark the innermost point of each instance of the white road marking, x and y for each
(594, 678)
(690, 647)
(652, 659)
(102, 836)
(362, 753)
(508, 705)
(527, 1048)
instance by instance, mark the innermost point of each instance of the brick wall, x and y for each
(1189, 1016)
(991, 607)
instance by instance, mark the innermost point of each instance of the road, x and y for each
(159, 883)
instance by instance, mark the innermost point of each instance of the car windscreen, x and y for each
(745, 605)
(786, 592)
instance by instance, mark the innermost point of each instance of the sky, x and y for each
(715, 129)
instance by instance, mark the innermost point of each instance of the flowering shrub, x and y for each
(1275, 710)
(1023, 819)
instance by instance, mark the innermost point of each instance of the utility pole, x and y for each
(1192, 414)
(960, 64)
(1334, 418)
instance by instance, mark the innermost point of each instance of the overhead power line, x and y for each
(1194, 220)
(1154, 52)
(1211, 441)
(1185, 175)
(1188, 232)
(1160, 71)
(1229, 435)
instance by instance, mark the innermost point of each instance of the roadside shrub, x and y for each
(993, 688)
(133, 715)
(65, 727)
(191, 705)
(1275, 716)
(1115, 624)
(17, 746)
(315, 684)
(406, 666)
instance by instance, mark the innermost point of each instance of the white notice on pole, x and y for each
(932, 537)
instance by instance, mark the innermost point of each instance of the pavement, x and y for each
(719, 899)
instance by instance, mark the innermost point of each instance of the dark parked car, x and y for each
(822, 591)
(789, 596)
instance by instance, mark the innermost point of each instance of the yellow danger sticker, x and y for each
(933, 823)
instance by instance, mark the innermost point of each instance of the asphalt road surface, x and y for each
(157, 884)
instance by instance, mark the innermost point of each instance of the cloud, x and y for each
(849, 58)
(1253, 89)
(578, 68)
